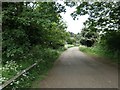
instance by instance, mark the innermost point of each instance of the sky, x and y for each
(74, 26)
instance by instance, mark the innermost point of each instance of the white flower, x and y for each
(0, 87)
(17, 82)
(11, 83)
(24, 75)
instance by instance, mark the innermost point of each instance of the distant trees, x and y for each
(88, 39)
(71, 39)
(88, 36)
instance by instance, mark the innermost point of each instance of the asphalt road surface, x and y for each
(74, 69)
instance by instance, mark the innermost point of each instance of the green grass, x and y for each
(101, 52)
(69, 46)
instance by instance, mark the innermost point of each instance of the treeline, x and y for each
(31, 32)
(102, 29)
(27, 24)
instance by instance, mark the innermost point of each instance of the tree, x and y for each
(104, 20)
(27, 24)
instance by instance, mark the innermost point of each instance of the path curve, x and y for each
(74, 69)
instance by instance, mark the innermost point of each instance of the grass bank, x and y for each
(100, 51)
(69, 46)
(46, 56)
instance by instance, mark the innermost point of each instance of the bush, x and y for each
(111, 40)
(87, 42)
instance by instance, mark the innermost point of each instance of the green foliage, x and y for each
(111, 40)
(103, 21)
(26, 25)
(71, 41)
(31, 31)
(101, 51)
(72, 38)
(46, 56)
(88, 38)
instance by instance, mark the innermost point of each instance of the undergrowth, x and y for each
(46, 56)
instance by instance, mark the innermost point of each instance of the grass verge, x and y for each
(47, 56)
(100, 51)
(68, 46)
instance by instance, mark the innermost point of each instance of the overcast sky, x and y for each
(74, 26)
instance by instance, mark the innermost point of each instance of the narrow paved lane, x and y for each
(74, 69)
